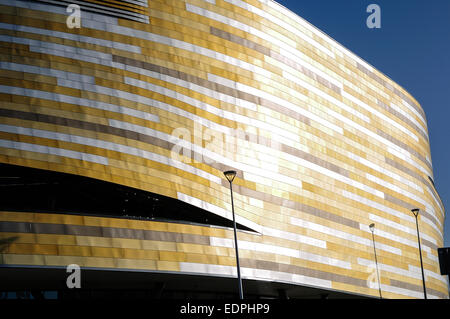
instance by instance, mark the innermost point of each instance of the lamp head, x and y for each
(415, 211)
(230, 175)
(372, 227)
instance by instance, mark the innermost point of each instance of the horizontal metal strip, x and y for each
(98, 231)
(293, 205)
(413, 287)
(36, 117)
(298, 270)
(393, 89)
(409, 206)
(266, 51)
(414, 175)
(403, 118)
(405, 147)
(70, 36)
(43, 149)
(139, 234)
(212, 86)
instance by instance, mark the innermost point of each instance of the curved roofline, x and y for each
(341, 45)
(390, 79)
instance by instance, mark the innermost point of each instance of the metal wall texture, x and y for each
(324, 145)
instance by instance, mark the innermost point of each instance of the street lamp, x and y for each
(372, 229)
(230, 175)
(415, 211)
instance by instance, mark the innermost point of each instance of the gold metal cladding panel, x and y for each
(323, 143)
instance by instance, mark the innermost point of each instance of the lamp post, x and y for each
(415, 211)
(230, 175)
(372, 229)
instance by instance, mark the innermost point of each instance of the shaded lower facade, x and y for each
(50, 283)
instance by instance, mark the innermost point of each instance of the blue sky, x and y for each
(412, 47)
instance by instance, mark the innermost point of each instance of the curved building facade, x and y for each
(118, 120)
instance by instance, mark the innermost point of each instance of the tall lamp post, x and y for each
(415, 211)
(230, 175)
(372, 229)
